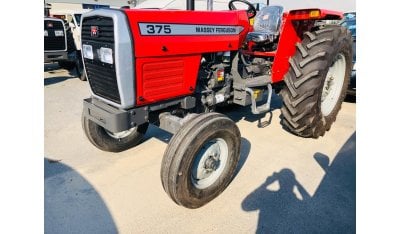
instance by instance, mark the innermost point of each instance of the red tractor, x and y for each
(172, 68)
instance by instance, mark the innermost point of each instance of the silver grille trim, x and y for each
(124, 60)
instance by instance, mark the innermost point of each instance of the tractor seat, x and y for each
(267, 24)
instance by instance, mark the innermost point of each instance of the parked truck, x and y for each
(62, 45)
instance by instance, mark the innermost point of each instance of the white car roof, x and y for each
(53, 18)
(64, 12)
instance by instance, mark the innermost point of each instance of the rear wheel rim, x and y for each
(209, 163)
(333, 85)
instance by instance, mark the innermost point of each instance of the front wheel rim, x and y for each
(209, 163)
(122, 134)
(333, 85)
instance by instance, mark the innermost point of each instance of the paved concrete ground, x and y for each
(285, 184)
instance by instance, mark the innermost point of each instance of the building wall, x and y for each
(61, 5)
(64, 6)
(117, 3)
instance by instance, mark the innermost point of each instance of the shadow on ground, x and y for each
(54, 69)
(51, 67)
(56, 79)
(350, 99)
(286, 207)
(237, 113)
(72, 204)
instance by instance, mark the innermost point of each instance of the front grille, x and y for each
(105, 28)
(51, 42)
(102, 76)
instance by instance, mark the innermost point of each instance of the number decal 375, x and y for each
(158, 29)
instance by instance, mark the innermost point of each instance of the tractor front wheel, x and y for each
(317, 80)
(200, 160)
(113, 142)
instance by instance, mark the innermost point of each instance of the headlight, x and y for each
(354, 66)
(46, 33)
(106, 55)
(87, 51)
(59, 33)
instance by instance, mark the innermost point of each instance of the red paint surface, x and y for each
(286, 48)
(167, 66)
(289, 36)
(163, 78)
(303, 14)
(151, 46)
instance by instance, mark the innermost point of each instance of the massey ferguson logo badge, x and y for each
(94, 31)
(49, 25)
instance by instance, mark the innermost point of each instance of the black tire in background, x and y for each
(80, 71)
(68, 65)
(184, 149)
(305, 80)
(106, 141)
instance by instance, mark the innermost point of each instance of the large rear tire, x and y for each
(317, 81)
(200, 160)
(113, 142)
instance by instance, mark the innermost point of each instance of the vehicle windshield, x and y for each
(78, 19)
(259, 5)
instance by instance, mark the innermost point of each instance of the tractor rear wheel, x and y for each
(113, 142)
(317, 80)
(200, 160)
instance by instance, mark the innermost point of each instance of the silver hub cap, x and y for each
(333, 85)
(209, 163)
(123, 134)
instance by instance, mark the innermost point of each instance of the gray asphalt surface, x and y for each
(284, 183)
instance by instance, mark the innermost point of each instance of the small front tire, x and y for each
(200, 160)
(113, 142)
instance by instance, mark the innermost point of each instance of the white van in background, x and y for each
(73, 19)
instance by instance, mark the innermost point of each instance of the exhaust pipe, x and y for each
(210, 5)
(190, 5)
(47, 8)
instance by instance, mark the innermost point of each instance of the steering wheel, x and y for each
(251, 10)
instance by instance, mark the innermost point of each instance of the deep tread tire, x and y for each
(301, 110)
(182, 150)
(98, 136)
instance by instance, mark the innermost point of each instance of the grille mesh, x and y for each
(102, 76)
(51, 42)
